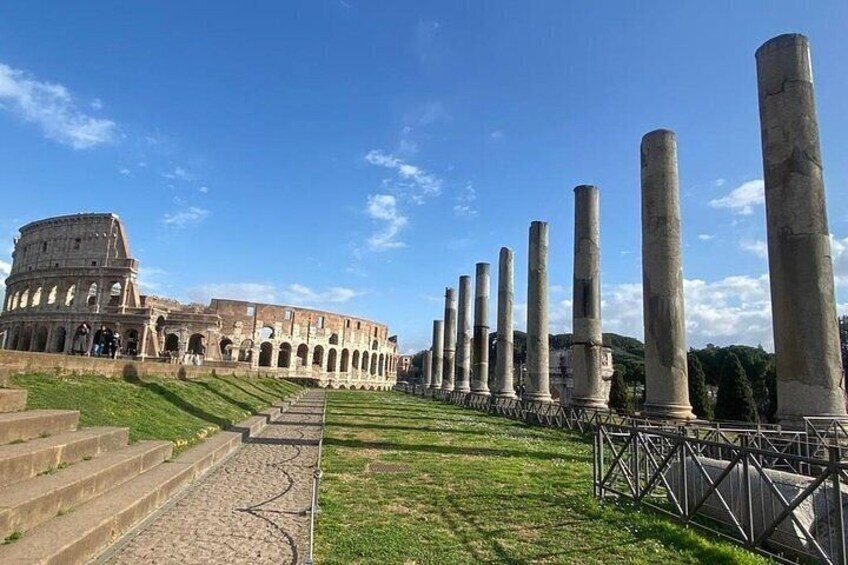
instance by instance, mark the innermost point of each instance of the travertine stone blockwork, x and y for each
(806, 333)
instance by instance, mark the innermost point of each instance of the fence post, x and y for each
(747, 507)
(634, 461)
(684, 474)
(835, 459)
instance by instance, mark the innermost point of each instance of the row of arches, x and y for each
(57, 338)
(41, 296)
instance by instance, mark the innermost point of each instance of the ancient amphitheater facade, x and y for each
(72, 275)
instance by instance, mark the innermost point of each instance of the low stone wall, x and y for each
(26, 362)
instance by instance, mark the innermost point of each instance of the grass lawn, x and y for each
(184, 412)
(414, 481)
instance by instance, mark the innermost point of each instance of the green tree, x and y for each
(735, 398)
(618, 392)
(698, 394)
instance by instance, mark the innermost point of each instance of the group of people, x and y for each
(106, 343)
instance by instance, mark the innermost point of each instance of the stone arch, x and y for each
(334, 339)
(51, 296)
(284, 356)
(365, 359)
(132, 342)
(115, 294)
(332, 356)
(16, 300)
(71, 295)
(266, 354)
(318, 356)
(246, 351)
(373, 365)
(266, 333)
(381, 365)
(355, 360)
(303, 355)
(39, 339)
(226, 348)
(24, 298)
(91, 297)
(26, 339)
(36, 297)
(197, 344)
(375, 345)
(59, 338)
(172, 343)
(344, 366)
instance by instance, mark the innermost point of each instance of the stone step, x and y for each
(35, 501)
(12, 399)
(78, 537)
(21, 461)
(15, 426)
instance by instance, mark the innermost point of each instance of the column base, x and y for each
(505, 394)
(537, 397)
(597, 404)
(462, 389)
(669, 411)
(481, 392)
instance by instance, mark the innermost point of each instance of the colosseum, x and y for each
(73, 278)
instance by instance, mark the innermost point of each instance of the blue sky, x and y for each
(360, 156)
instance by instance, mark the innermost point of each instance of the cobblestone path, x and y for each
(249, 510)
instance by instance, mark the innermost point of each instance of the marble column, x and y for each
(538, 385)
(449, 361)
(504, 385)
(480, 373)
(587, 351)
(463, 337)
(666, 374)
(427, 369)
(437, 353)
(806, 332)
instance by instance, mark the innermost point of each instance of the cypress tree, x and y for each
(735, 398)
(618, 391)
(698, 394)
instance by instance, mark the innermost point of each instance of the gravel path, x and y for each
(249, 510)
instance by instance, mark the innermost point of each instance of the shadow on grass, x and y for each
(331, 411)
(130, 375)
(241, 388)
(446, 449)
(347, 425)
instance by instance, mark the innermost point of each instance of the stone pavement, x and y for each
(249, 510)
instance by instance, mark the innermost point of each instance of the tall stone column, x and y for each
(806, 332)
(587, 351)
(449, 361)
(463, 337)
(504, 387)
(427, 369)
(437, 353)
(666, 374)
(480, 375)
(538, 386)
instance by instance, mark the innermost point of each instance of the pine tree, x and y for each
(735, 398)
(618, 391)
(698, 395)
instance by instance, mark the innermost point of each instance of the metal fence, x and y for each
(316, 485)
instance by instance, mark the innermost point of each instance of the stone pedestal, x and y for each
(480, 374)
(449, 361)
(537, 387)
(504, 385)
(587, 351)
(666, 374)
(463, 337)
(806, 332)
(437, 355)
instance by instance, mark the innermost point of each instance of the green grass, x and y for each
(477, 489)
(182, 411)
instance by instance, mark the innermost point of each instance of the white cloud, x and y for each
(188, 216)
(743, 198)
(383, 208)
(838, 248)
(497, 134)
(718, 183)
(411, 181)
(179, 173)
(96, 104)
(705, 236)
(464, 200)
(758, 247)
(150, 279)
(302, 295)
(204, 190)
(52, 107)
(250, 292)
(5, 268)
(126, 172)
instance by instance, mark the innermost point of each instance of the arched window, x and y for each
(172, 343)
(70, 295)
(25, 299)
(36, 297)
(266, 333)
(226, 346)
(246, 351)
(345, 363)
(284, 356)
(318, 356)
(51, 296)
(197, 344)
(331, 360)
(16, 299)
(303, 355)
(266, 352)
(115, 294)
(91, 299)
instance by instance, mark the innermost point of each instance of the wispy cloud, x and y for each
(150, 279)
(382, 208)
(295, 294)
(464, 202)
(497, 134)
(190, 215)
(705, 236)
(410, 181)
(52, 107)
(756, 246)
(303, 295)
(743, 198)
(179, 173)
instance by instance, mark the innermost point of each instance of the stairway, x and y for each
(68, 493)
